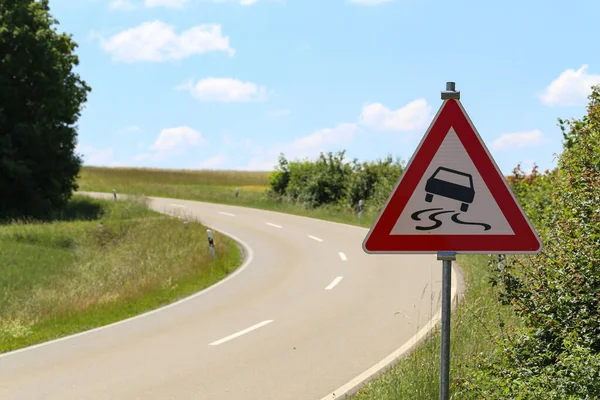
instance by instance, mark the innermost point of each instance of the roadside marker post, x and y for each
(360, 209)
(211, 243)
(451, 199)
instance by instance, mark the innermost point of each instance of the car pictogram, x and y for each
(452, 184)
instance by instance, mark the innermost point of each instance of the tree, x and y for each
(41, 100)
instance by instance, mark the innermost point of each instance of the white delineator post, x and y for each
(211, 243)
(360, 209)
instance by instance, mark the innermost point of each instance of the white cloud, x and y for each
(225, 90)
(174, 140)
(369, 2)
(213, 162)
(571, 88)
(414, 115)
(278, 113)
(519, 140)
(122, 5)
(322, 140)
(156, 41)
(94, 156)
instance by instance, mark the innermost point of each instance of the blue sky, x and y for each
(229, 84)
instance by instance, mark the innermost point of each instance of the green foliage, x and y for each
(374, 181)
(534, 193)
(280, 179)
(556, 354)
(330, 180)
(40, 102)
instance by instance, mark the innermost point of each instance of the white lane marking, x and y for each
(355, 383)
(250, 256)
(240, 333)
(274, 225)
(177, 205)
(315, 238)
(334, 283)
(343, 256)
(226, 213)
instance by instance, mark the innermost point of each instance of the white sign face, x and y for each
(452, 198)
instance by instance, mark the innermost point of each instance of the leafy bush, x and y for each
(556, 353)
(374, 181)
(534, 193)
(331, 180)
(280, 178)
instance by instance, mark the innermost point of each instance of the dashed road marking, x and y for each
(240, 333)
(334, 283)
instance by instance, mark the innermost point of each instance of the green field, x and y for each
(415, 376)
(209, 186)
(72, 274)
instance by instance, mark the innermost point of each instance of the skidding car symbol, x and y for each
(442, 183)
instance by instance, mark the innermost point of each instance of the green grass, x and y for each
(70, 275)
(472, 324)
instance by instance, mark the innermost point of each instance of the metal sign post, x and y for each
(446, 257)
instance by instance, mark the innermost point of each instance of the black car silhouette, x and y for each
(440, 183)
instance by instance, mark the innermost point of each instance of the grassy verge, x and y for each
(74, 274)
(415, 376)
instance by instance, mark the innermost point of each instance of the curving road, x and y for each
(307, 317)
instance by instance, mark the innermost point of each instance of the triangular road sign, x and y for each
(452, 197)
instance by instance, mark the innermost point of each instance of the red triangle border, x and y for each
(525, 239)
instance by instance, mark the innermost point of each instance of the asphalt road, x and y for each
(309, 314)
